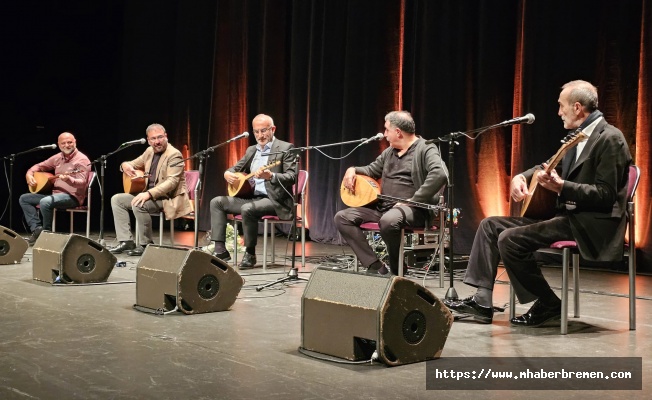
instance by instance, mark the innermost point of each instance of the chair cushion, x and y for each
(562, 244)
(373, 226)
(370, 226)
(274, 218)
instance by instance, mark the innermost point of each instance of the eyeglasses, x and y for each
(154, 139)
(262, 130)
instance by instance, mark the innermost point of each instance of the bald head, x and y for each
(67, 143)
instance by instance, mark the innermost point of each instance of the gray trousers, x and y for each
(251, 211)
(514, 240)
(121, 204)
(348, 223)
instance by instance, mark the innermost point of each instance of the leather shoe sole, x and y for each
(137, 252)
(534, 321)
(537, 315)
(248, 262)
(226, 256)
(470, 308)
(123, 247)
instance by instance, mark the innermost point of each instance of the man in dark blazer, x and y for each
(591, 200)
(271, 186)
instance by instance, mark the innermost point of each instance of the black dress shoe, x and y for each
(470, 307)
(224, 256)
(537, 315)
(136, 251)
(383, 270)
(31, 239)
(248, 261)
(123, 247)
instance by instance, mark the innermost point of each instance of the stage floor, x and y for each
(87, 342)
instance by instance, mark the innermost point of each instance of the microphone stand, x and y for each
(102, 162)
(12, 158)
(451, 293)
(201, 155)
(293, 273)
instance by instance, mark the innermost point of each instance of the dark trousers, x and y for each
(514, 240)
(348, 223)
(251, 211)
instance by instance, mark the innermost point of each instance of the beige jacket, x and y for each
(170, 182)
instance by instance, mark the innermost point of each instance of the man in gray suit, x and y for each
(591, 199)
(270, 187)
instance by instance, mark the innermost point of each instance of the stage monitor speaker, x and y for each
(352, 315)
(12, 246)
(70, 258)
(186, 279)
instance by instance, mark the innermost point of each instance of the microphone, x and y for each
(377, 136)
(526, 119)
(137, 141)
(47, 146)
(240, 136)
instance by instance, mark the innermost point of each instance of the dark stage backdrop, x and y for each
(326, 71)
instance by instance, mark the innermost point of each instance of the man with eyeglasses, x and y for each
(271, 184)
(70, 167)
(165, 190)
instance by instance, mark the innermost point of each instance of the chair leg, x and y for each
(442, 267)
(512, 302)
(564, 291)
(54, 220)
(576, 283)
(442, 247)
(632, 265)
(235, 243)
(88, 220)
(401, 253)
(161, 222)
(171, 231)
(273, 236)
(72, 215)
(265, 227)
(303, 245)
(632, 287)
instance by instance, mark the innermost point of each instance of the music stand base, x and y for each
(451, 294)
(293, 275)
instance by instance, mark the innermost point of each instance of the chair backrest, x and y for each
(632, 183)
(301, 182)
(192, 180)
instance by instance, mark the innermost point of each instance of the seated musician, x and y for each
(164, 189)
(410, 169)
(271, 194)
(69, 186)
(591, 192)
